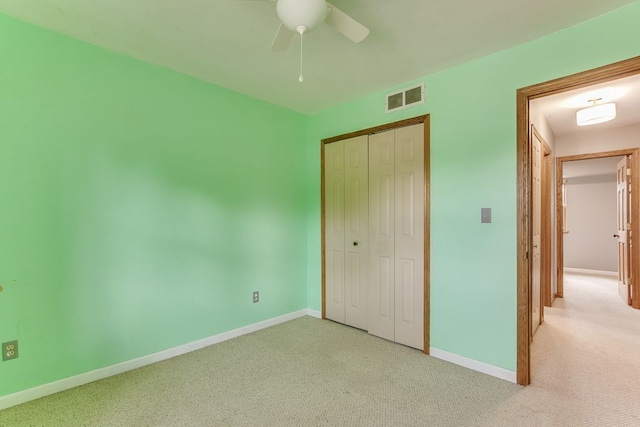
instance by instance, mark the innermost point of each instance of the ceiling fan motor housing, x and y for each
(301, 13)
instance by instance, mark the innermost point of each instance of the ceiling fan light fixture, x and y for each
(301, 13)
(596, 114)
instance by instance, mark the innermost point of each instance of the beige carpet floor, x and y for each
(308, 372)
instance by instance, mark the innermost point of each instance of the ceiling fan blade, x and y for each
(282, 40)
(346, 25)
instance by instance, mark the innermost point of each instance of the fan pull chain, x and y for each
(301, 79)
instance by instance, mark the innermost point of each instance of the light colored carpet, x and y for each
(309, 372)
(588, 353)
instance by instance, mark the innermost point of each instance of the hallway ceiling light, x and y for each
(596, 113)
(608, 94)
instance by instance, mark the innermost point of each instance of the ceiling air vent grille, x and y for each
(405, 98)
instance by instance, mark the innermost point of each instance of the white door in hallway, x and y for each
(346, 228)
(622, 232)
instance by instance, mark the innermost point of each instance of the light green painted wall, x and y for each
(473, 165)
(139, 208)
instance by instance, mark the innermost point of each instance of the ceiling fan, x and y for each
(302, 16)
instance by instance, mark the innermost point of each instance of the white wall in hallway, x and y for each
(593, 140)
(542, 126)
(591, 221)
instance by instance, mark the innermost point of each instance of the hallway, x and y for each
(588, 349)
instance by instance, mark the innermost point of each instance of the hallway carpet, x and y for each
(309, 372)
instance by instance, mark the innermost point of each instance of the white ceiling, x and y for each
(227, 42)
(560, 110)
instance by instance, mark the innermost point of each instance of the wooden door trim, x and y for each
(635, 227)
(559, 231)
(377, 129)
(523, 96)
(323, 235)
(598, 155)
(426, 121)
(427, 234)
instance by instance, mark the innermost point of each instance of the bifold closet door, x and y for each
(382, 235)
(346, 228)
(409, 233)
(396, 224)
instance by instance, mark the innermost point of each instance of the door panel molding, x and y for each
(587, 78)
(425, 121)
(634, 164)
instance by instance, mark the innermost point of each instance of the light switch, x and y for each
(485, 215)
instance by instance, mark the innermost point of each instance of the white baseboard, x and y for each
(593, 272)
(314, 313)
(108, 371)
(475, 365)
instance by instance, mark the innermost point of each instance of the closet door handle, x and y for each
(355, 243)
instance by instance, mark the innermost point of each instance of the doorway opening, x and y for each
(626, 213)
(525, 249)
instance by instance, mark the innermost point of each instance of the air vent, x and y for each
(405, 98)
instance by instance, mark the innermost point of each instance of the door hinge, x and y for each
(628, 171)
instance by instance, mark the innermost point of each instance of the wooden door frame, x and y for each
(635, 213)
(425, 120)
(547, 229)
(523, 96)
(546, 178)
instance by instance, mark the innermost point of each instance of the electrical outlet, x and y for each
(9, 350)
(256, 297)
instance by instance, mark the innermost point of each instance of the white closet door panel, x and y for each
(382, 235)
(356, 230)
(409, 236)
(334, 231)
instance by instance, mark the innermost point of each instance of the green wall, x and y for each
(139, 208)
(473, 165)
